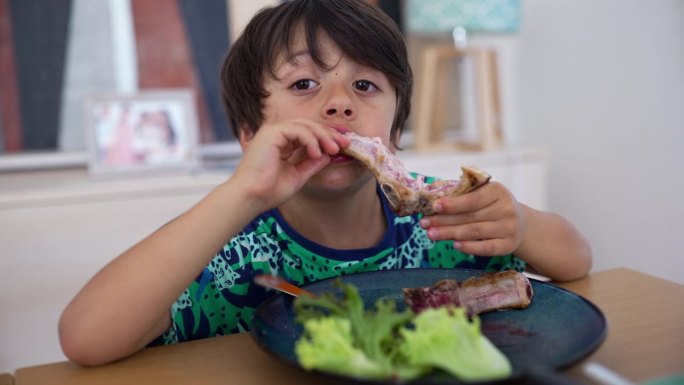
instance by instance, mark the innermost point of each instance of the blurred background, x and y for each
(593, 90)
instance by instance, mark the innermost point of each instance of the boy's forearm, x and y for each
(117, 310)
(554, 247)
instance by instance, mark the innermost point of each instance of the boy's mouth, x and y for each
(340, 129)
(340, 158)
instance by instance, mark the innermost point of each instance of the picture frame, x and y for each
(144, 132)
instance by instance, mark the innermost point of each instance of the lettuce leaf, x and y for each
(372, 333)
(444, 338)
(329, 347)
(343, 337)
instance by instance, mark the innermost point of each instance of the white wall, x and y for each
(601, 86)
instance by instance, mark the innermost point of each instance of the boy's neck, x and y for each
(354, 222)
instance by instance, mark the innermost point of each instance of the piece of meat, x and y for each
(491, 291)
(405, 194)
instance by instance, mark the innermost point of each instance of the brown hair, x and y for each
(362, 31)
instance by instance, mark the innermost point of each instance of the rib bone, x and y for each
(408, 195)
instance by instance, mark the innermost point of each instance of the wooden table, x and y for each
(645, 341)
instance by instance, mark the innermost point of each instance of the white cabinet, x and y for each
(57, 230)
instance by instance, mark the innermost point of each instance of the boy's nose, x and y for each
(339, 103)
(333, 111)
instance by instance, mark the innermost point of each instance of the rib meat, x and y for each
(492, 291)
(408, 195)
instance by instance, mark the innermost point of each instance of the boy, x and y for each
(301, 74)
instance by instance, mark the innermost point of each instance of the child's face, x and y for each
(348, 95)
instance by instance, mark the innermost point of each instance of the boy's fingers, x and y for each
(298, 136)
(469, 232)
(341, 141)
(330, 139)
(317, 138)
(472, 201)
(308, 167)
(480, 239)
(452, 219)
(487, 213)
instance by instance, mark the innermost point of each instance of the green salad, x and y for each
(382, 343)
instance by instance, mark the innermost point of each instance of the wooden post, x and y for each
(432, 106)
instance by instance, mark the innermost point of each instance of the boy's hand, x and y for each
(487, 221)
(281, 157)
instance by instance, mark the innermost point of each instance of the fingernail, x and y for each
(424, 223)
(432, 233)
(437, 207)
(457, 245)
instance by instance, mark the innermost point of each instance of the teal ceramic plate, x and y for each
(556, 330)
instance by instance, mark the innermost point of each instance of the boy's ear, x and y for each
(396, 141)
(246, 136)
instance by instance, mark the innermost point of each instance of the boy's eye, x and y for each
(304, 84)
(365, 85)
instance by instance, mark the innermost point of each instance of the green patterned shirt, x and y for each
(222, 299)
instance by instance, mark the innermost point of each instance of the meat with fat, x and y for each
(491, 291)
(408, 195)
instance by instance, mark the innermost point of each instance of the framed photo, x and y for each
(142, 132)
